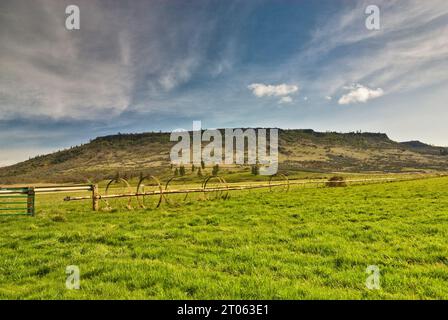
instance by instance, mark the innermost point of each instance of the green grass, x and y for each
(310, 243)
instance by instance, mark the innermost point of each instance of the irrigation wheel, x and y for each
(215, 187)
(150, 192)
(279, 182)
(175, 199)
(118, 186)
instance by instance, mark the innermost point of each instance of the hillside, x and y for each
(300, 150)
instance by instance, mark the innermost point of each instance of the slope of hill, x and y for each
(300, 150)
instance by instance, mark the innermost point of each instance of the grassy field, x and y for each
(310, 243)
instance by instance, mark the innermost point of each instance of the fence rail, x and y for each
(17, 201)
(21, 200)
(64, 189)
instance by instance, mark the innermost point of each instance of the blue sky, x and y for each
(158, 65)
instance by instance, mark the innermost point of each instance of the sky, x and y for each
(139, 66)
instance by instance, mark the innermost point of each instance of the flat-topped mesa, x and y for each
(299, 150)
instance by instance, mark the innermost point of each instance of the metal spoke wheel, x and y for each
(118, 186)
(215, 187)
(149, 192)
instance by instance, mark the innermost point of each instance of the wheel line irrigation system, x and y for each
(212, 187)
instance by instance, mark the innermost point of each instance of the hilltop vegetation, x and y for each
(300, 150)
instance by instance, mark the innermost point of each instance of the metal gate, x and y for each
(17, 201)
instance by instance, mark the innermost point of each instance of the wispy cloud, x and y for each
(122, 57)
(50, 71)
(284, 100)
(410, 50)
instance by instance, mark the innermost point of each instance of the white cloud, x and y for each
(286, 99)
(268, 90)
(328, 97)
(360, 93)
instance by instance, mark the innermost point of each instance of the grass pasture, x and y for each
(310, 243)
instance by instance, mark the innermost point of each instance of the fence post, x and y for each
(30, 201)
(95, 197)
